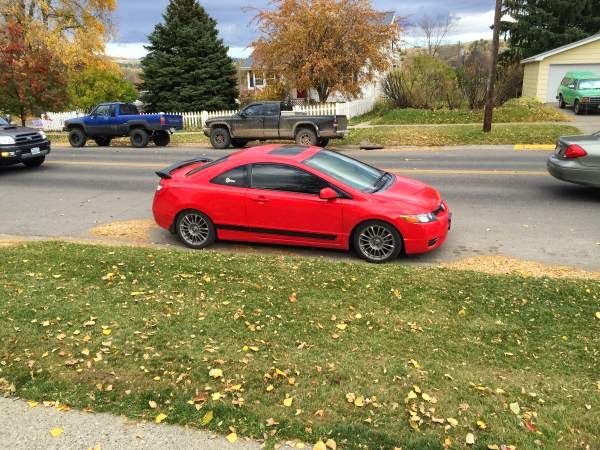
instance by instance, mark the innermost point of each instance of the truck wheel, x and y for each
(34, 162)
(102, 141)
(561, 102)
(161, 138)
(139, 137)
(220, 138)
(306, 136)
(323, 142)
(577, 108)
(77, 137)
(239, 143)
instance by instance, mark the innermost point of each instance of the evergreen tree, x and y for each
(187, 67)
(541, 25)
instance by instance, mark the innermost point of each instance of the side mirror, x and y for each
(328, 194)
(571, 86)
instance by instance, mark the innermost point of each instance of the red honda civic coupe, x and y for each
(296, 195)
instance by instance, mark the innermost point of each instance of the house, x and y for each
(252, 80)
(544, 72)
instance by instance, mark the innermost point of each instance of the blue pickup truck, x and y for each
(111, 120)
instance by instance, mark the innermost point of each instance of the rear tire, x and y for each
(77, 137)
(220, 138)
(377, 242)
(561, 102)
(161, 138)
(239, 143)
(34, 162)
(103, 141)
(139, 137)
(195, 229)
(306, 136)
(323, 142)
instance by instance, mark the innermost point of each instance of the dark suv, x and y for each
(22, 145)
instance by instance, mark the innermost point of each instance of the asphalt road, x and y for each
(503, 200)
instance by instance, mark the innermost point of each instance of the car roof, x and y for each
(581, 75)
(275, 153)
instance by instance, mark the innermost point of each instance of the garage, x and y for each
(556, 73)
(544, 72)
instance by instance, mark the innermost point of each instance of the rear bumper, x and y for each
(572, 172)
(15, 154)
(425, 237)
(333, 134)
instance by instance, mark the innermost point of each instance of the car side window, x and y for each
(270, 109)
(254, 110)
(237, 177)
(280, 177)
(103, 111)
(128, 109)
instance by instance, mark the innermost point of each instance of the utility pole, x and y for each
(490, 94)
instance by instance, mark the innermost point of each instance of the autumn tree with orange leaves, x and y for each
(326, 45)
(31, 79)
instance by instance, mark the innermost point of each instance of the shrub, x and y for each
(423, 82)
(509, 83)
(473, 74)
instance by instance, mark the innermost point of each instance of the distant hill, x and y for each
(132, 68)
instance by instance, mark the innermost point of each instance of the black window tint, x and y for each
(129, 110)
(254, 110)
(285, 178)
(234, 177)
(271, 109)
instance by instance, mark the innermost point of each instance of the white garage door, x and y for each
(556, 73)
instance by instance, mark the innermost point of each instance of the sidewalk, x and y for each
(26, 428)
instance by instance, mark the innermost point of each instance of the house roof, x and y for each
(389, 17)
(246, 63)
(564, 48)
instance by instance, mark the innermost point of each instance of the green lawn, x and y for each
(460, 135)
(516, 110)
(373, 357)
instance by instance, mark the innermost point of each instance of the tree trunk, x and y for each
(490, 94)
(322, 92)
(22, 116)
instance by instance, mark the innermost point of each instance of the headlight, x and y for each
(418, 218)
(43, 135)
(7, 140)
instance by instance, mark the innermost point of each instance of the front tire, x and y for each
(220, 138)
(34, 162)
(306, 136)
(377, 242)
(161, 138)
(195, 229)
(139, 137)
(561, 102)
(102, 141)
(579, 110)
(77, 137)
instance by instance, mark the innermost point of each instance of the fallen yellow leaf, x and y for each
(481, 424)
(215, 373)
(452, 421)
(515, 408)
(341, 326)
(32, 403)
(288, 401)
(331, 444)
(320, 445)
(207, 418)
(56, 432)
(231, 437)
(152, 404)
(470, 439)
(598, 315)
(106, 331)
(160, 418)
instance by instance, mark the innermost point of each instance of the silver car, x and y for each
(577, 160)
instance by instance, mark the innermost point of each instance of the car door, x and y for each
(97, 123)
(569, 91)
(228, 190)
(271, 120)
(283, 204)
(249, 123)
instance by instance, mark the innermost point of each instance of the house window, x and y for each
(250, 80)
(259, 80)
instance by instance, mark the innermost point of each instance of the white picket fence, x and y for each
(54, 121)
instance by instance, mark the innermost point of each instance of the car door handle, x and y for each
(260, 199)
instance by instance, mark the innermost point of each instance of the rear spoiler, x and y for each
(165, 174)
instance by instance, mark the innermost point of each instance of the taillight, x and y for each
(574, 151)
(163, 120)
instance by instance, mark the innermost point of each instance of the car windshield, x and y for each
(347, 170)
(3, 121)
(589, 84)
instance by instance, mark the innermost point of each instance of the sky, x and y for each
(135, 19)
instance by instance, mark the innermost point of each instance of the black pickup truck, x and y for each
(22, 145)
(273, 120)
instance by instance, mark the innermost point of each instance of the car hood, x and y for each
(12, 131)
(410, 196)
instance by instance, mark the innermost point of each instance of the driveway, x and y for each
(588, 123)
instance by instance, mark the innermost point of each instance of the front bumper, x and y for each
(15, 154)
(573, 172)
(425, 237)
